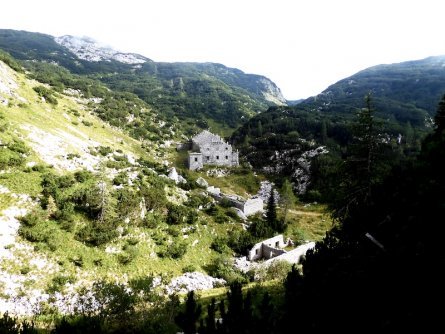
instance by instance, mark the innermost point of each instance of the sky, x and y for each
(302, 45)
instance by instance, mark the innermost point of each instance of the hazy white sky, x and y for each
(302, 45)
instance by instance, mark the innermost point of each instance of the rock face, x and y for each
(88, 49)
(271, 92)
(296, 163)
(193, 281)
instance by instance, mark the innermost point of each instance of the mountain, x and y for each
(403, 92)
(203, 94)
(88, 49)
(285, 140)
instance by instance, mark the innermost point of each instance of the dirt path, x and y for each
(306, 213)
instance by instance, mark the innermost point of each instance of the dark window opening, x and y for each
(196, 159)
(217, 157)
(227, 157)
(277, 244)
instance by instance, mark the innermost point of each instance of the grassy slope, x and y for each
(61, 122)
(73, 259)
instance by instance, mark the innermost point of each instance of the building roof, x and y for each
(206, 137)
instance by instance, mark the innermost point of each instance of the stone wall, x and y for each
(256, 253)
(271, 252)
(195, 161)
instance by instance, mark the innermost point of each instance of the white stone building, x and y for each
(211, 149)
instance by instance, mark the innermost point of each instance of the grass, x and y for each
(308, 222)
(20, 182)
(69, 119)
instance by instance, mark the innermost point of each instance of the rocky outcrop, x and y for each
(192, 282)
(296, 163)
(88, 49)
(271, 92)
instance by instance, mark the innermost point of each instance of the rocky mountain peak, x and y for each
(271, 92)
(88, 49)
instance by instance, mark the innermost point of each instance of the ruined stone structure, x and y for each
(272, 250)
(248, 207)
(210, 149)
(267, 249)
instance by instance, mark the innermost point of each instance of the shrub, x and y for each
(104, 150)
(33, 218)
(177, 214)
(176, 250)
(222, 267)
(46, 93)
(188, 269)
(240, 241)
(219, 245)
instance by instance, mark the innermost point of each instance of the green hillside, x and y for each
(202, 93)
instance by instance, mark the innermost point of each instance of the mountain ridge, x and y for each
(211, 93)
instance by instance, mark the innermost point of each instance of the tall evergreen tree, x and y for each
(271, 210)
(439, 118)
(187, 320)
(210, 325)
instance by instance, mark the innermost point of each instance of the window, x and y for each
(207, 158)
(227, 148)
(227, 157)
(196, 159)
(256, 251)
(217, 157)
(277, 244)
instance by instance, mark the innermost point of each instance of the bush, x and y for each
(33, 218)
(222, 267)
(46, 93)
(177, 214)
(121, 178)
(240, 241)
(188, 269)
(176, 250)
(104, 150)
(219, 245)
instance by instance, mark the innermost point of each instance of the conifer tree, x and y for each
(439, 118)
(187, 319)
(210, 325)
(271, 210)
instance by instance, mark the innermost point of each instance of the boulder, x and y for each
(202, 182)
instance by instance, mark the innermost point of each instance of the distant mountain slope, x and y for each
(204, 93)
(284, 141)
(407, 91)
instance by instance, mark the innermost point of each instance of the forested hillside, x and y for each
(205, 94)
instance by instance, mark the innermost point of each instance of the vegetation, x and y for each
(198, 95)
(113, 226)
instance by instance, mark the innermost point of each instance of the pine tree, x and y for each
(187, 319)
(210, 326)
(260, 129)
(271, 210)
(324, 132)
(264, 322)
(439, 118)
(233, 317)
(360, 170)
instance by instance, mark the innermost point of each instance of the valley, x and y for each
(106, 226)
